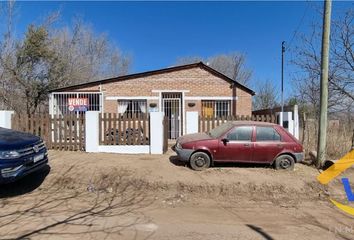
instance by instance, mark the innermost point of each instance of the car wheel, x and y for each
(199, 161)
(285, 162)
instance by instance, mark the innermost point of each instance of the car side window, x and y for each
(243, 133)
(267, 134)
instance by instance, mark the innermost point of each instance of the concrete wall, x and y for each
(5, 119)
(192, 122)
(156, 137)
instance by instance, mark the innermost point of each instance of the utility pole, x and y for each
(322, 133)
(282, 82)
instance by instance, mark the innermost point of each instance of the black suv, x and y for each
(20, 154)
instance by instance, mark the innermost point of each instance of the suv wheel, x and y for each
(285, 162)
(199, 161)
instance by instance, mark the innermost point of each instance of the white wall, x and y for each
(293, 126)
(5, 119)
(296, 122)
(134, 149)
(156, 132)
(192, 122)
(91, 128)
(156, 138)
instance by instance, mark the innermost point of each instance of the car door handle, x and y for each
(247, 145)
(280, 145)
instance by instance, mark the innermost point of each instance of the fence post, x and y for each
(156, 132)
(296, 121)
(192, 122)
(5, 119)
(91, 131)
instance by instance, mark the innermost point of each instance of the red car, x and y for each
(251, 142)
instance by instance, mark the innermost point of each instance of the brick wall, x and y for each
(198, 81)
(243, 103)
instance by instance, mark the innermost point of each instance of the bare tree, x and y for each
(88, 57)
(341, 69)
(266, 96)
(33, 68)
(189, 60)
(232, 65)
(48, 57)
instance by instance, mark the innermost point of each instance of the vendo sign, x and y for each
(78, 104)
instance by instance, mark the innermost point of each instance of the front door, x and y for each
(172, 107)
(237, 145)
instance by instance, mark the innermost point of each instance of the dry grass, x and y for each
(339, 138)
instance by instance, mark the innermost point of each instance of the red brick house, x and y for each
(174, 90)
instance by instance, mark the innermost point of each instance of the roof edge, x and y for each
(152, 72)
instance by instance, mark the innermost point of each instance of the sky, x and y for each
(155, 34)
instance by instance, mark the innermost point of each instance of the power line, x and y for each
(299, 25)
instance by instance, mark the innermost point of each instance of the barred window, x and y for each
(216, 108)
(132, 108)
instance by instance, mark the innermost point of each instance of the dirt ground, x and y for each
(112, 196)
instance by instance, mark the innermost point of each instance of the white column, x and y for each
(296, 121)
(281, 120)
(183, 101)
(92, 130)
(192, 122)
(156, 132)
(5, 119)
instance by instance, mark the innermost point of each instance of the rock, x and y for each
(91, 188)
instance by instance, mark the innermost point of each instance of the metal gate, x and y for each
(172, 107)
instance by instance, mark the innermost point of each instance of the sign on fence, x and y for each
(78, 104)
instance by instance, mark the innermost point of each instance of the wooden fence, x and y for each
(115, 129)
(59, 132)
(208, 123)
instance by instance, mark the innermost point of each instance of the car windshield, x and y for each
(218, 131)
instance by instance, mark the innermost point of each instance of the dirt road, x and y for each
(114, 196)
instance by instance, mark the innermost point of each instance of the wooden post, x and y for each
(322, 133)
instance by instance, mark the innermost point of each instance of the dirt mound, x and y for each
(116, 178)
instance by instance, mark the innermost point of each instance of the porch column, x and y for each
(5, 119)
(192, 122)
(156, 132)
(91, 131)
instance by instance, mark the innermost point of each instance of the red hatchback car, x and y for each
(251, 142)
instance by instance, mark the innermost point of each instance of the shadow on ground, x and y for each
(175, 160)
(24, 185)
(260, 231)
(63, 207)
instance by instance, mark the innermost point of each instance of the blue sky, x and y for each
(155, 34)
